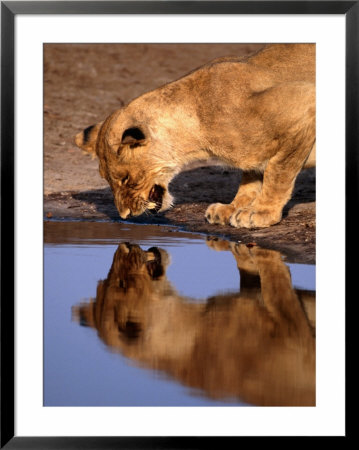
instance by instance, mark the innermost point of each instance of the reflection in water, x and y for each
(256, 345)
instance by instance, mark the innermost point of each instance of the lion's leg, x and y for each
(278, 183)
(293, 135)
(278, 295)
(250, 187)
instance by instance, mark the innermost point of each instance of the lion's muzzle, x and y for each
(125, 213)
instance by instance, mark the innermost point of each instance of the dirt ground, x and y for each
(84, 83)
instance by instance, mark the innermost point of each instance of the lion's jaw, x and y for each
(140, 205)
(134, 198)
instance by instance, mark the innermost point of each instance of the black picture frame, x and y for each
(9, 9)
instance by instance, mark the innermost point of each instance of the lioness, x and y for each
(256, 114)
(256, 344)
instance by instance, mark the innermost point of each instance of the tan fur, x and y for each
(256, 114)
(256, 344)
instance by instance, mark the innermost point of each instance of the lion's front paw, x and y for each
(219, 213)
(249, 218)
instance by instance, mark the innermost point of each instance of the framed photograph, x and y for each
(144, 301)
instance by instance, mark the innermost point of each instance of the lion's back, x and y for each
(293, 62)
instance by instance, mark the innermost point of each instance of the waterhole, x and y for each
(151, 316)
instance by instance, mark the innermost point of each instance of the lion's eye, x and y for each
(123, 180)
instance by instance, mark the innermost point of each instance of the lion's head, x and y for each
(141, 147)
(122, 299)
(138, 179)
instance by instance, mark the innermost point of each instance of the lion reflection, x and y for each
(257, 345)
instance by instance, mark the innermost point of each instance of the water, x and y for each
(149, 316)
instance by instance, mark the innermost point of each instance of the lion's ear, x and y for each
(86, 140)
(134, 137)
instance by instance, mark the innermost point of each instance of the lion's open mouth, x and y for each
(155, 198)
(154, 264)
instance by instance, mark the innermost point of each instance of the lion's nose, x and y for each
(125, 213)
